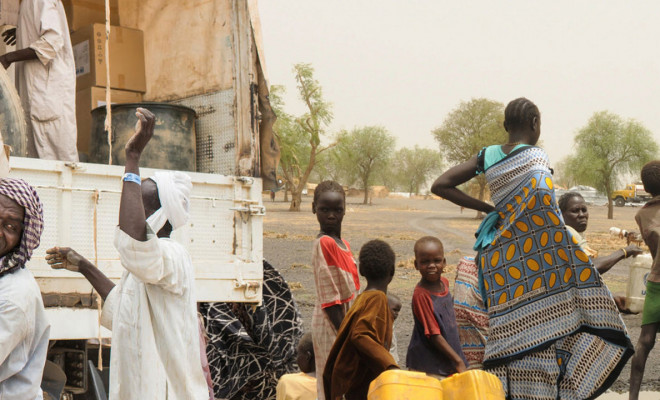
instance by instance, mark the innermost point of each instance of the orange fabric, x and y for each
(361, 350)
(344, 264)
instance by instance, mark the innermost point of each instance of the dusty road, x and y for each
(288, 237)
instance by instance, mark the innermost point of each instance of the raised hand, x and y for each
(9, 36)
(144, 130)
(64, 258)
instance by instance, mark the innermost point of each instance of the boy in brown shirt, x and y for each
(648, 219)
(361, 351)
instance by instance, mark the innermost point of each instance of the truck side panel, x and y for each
(81, 206)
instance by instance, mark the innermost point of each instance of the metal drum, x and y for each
(12, 117)
(173, 143)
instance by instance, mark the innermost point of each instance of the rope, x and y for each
(108, 99)
(99, 300)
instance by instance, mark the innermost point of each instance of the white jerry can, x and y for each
(636, 290)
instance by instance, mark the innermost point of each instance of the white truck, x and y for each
(227, 88)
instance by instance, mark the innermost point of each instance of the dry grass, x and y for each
(286, 235)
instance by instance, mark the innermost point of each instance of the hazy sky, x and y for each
(405, 64)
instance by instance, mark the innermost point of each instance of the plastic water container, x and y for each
(409, 385)
(636, 290)
(398, 384)
(472, 385)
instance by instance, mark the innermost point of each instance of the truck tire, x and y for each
(619, 202)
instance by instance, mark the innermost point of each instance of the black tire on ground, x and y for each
(619, 202)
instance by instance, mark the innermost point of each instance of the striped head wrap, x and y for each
(33, 222)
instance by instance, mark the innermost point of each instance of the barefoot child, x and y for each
(335, 273)
(300, 386)
(434, 346)
(360, 352)
(648, 219)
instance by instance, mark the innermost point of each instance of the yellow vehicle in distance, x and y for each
(633, 193)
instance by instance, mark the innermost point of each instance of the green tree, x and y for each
(364, 151)
(606, 148)
(300, 137)
(467, 129)
(334, 165)
(413, 167)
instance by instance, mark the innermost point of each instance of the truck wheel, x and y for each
(619, 202)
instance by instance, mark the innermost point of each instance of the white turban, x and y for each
(174, 193)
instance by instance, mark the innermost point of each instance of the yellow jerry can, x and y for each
(398, 384)
(472, 385)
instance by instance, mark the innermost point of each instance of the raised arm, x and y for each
(67, 258)
(446, 186)
(132, 218)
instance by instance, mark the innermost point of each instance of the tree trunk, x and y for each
(296, 199)
(365, 185)
(286, 193)
(610, 203)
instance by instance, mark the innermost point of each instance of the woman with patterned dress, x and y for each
(554, 330)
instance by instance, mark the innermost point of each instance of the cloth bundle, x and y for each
(174, 192)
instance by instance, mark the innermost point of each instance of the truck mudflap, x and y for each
(81, 209)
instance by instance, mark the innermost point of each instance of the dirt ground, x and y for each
(288, 237)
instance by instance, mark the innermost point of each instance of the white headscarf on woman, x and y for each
(174, 192)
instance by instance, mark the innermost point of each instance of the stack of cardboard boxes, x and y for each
(86, 19)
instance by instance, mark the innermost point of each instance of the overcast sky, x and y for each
(405, 64)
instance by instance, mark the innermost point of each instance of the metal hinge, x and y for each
(251, 288)
(252, 209)
(245, 180)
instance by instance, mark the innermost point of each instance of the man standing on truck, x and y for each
(152, 312)
(24, 329)
(46, 78)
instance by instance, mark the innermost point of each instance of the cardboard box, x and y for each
(80, 13)
(90, 98)
(126, 58)
(9, 12)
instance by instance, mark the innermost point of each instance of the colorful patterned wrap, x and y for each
(471, 314)
(554, 328)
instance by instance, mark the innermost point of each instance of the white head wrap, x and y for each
(174, 193)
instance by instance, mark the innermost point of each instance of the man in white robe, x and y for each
(152, 312)
(24, 328)
(46, 79)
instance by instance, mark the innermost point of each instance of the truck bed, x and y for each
(81, 208)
